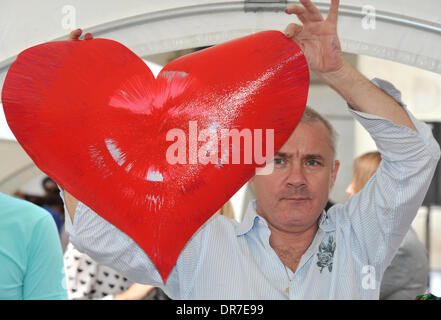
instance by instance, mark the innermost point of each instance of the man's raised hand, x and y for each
(317, 37)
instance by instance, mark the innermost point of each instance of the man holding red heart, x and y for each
(287, 246)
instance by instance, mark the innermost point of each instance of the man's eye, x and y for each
(312, 163)
(279, 161)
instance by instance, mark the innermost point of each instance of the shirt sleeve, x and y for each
(111, 247)
(379, 216)
(44, 278)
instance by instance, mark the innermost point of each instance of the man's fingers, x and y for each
(299, 11)
(333, 11)
(292, 30)
(88, 36)
(75, 35)
(295, 9)
(311, 10)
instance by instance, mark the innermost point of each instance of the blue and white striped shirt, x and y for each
(354, 243)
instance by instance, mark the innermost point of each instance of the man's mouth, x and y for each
(296, 199)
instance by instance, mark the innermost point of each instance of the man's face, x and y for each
(293, 196)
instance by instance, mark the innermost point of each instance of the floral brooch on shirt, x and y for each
(326, 254)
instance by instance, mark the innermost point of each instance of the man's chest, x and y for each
(254, 271)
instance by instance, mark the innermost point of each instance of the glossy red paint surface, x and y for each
(92, 116)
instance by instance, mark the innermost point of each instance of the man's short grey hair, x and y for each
(311, 115)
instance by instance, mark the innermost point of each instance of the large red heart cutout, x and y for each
(93, 117)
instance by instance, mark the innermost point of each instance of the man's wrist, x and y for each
(343, 76)
(347, 81)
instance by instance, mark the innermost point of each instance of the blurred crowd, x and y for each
(85, 279)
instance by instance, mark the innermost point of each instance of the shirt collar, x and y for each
(251, 217)
(325, 222)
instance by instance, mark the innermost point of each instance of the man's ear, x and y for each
(334, 172)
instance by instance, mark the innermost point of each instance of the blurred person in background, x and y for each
(88, 280)
(51, 201)
(31, 260)
(408, 274)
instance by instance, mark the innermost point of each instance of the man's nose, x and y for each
(296, 175)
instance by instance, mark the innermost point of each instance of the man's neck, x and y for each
(290, 246)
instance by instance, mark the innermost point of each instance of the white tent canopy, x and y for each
(403, 31)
